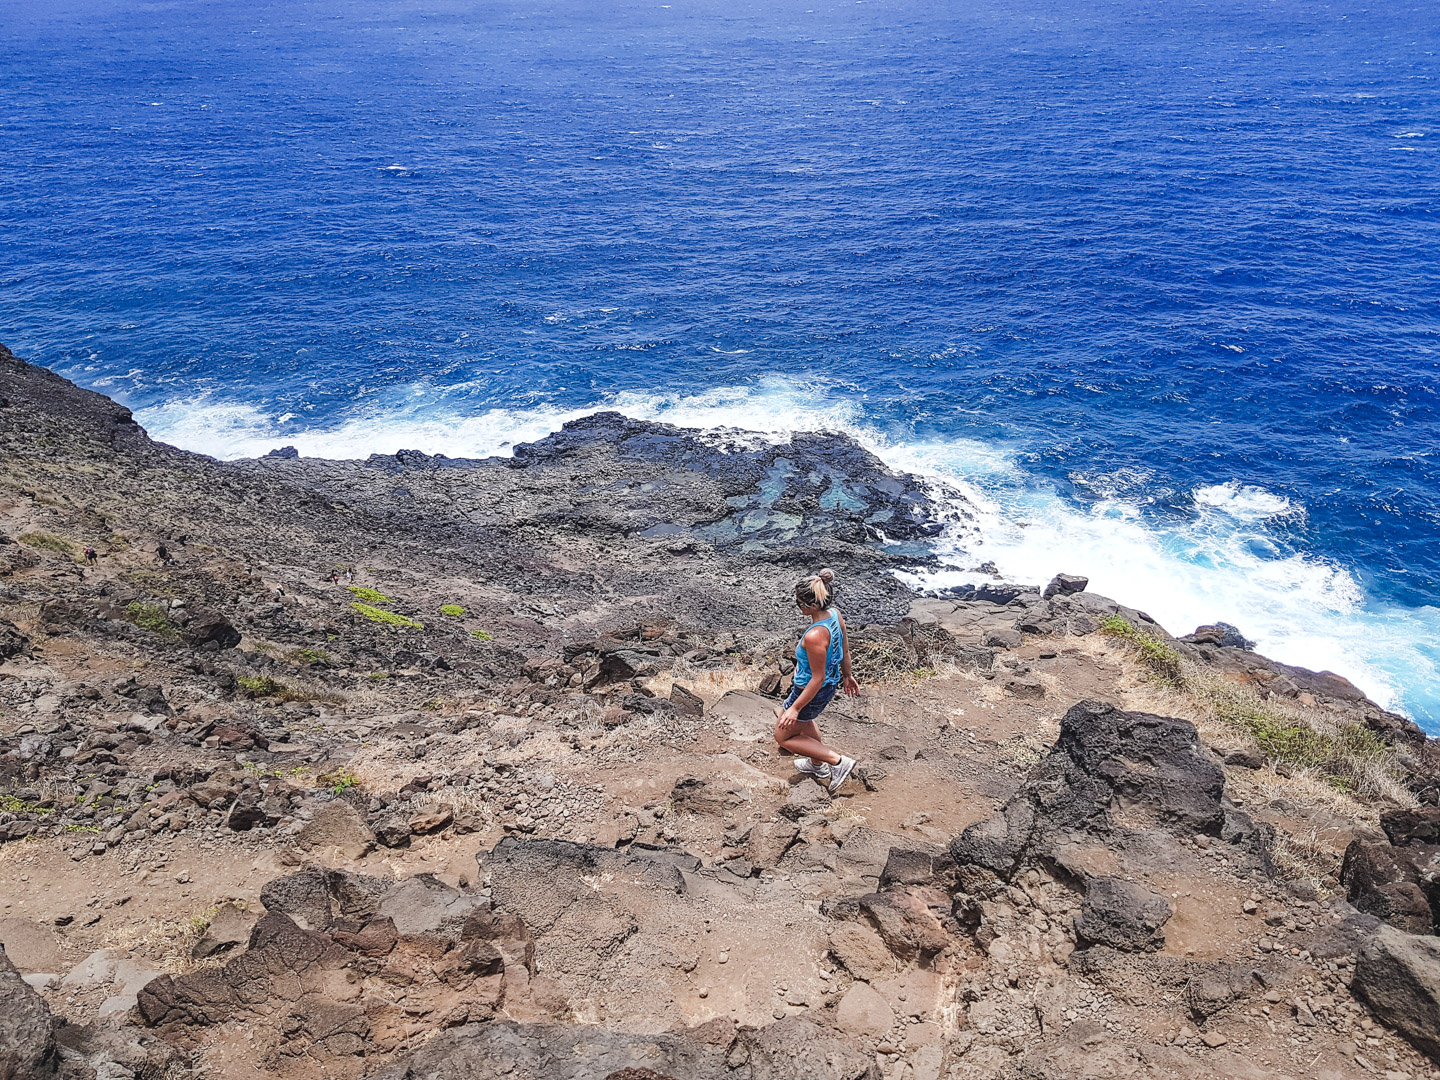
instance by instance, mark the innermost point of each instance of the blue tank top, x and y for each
(833, 655)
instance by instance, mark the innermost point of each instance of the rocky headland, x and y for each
(424, 768)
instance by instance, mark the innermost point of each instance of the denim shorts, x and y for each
(817, 703)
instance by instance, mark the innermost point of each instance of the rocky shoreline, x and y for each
(426, 767)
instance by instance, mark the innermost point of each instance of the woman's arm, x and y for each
(847, 680)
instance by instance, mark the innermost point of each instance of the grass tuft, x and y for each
(150, 617)
(386, 618)
(482, 635)
(455, 611)
(1158, 655)
(340, 782)
(46, 542)
(1350, 757)
(258, 686)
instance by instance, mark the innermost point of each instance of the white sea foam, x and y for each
(1222, 562)
(1245, 502)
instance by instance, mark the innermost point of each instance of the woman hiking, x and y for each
(822, 665)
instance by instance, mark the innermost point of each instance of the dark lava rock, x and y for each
(1147, 759)
(1400, 885)
(27, 1030)
(316, 897)
(800, 493)
(1122, 915)
(1065, 585)
(1154, 766)
(12, 642)
(208, 627)
(1398, 974)
(279, 953)
(1221, 634)
(1412, 826)
(686, 703)
(1244, 759)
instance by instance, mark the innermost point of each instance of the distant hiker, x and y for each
(335, 579)
(162, 553)
(822, 665)
(91, 557)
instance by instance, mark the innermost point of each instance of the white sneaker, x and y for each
(811, 767)
(840, 773)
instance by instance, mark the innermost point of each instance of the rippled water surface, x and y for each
(1157, 283)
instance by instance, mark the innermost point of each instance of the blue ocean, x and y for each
(1155, 284)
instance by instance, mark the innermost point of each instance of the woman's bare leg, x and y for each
(804, 740)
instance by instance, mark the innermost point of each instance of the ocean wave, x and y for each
(1220, 563)
(1246, 502)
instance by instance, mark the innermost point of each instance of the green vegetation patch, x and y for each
(455, 611)
(482, 635)
(150, 617)
(258, 686)
(46, 542)
(369, 596)
(1350, 757)
(309, 655)
(10, 804)
(387, 618)
(1155, 653)
(340, 782)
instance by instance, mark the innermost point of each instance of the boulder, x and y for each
(1221, 634)
(686, 703)
(1404, 827)
(1153, 760)
(315, 897)
(27, 1030)
(1122, 915)
(12, 642)
(861, 950)
(1154, 765)
(227, 929)
(1390, 882)
(424, 904)
(863, 1013)
(907, 866)
(336, 826)
(805, 798)
(910, 920)
(769, 840)
(393, 832)
(1065, 585)
(1398, 975)
(210, 628)
(432, 821)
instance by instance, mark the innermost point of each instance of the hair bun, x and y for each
(827, 575)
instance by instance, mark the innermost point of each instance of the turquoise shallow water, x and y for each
(1154, 284)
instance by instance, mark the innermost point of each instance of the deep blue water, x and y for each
(1157, 283)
